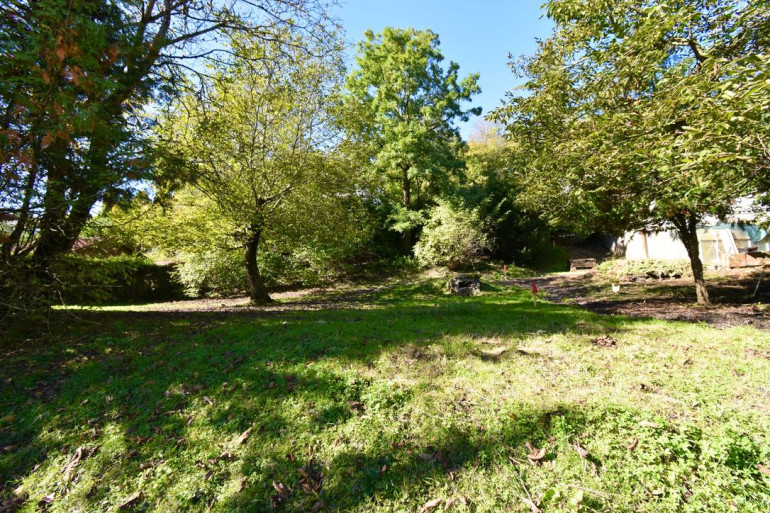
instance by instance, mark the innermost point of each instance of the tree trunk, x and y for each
(686, 225)
(406, 198)
(59, 230)
(257, 291)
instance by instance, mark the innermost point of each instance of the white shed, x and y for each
(716, 245)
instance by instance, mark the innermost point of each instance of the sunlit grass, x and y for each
(398, 398)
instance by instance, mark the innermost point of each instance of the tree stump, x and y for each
(465, 284)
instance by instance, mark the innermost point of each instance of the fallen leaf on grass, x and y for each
(312, 480)
(281, 488)
(80, 454)
(633, 444)
(244, 436)
(605, 341)
(431, 505)
(282, 493)
(130, 501)
(535, 454)
(242, 484)
(532, 506)
(208, 401)
(234, 364)
(226, 455)
(151, 464)
(765, 470)
(762, 354)
(44, 503)
(317, 506)
(580, 450)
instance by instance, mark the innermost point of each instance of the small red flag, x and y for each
(534, 287)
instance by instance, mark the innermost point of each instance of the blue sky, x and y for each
(477, 35)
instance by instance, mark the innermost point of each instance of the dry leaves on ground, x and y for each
(81, 453)
(535, 455)
(431, 505)
(244, 436)
(131, 500)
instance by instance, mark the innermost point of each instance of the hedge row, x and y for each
(114, 279)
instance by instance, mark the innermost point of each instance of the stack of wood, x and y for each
(581, 264)
(465, 284)
(752, 259)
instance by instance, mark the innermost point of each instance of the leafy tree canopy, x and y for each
(76, 78)
(261, 144)
(401, 106)
(644, 114)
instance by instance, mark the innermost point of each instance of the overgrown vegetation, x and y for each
(621, 268)
(453, 237)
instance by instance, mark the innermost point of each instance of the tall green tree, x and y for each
(260, 142)
(401, 109)
(75, 78)
(643, 115)
(492, 185)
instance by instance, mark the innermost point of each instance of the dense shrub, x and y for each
(114, 279)
(453, 237)
(223, 273)
(217, 273)
(23, 296)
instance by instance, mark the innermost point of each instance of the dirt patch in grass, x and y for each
(674, 299)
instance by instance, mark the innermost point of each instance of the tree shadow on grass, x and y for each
(392, 468)
(150, 383)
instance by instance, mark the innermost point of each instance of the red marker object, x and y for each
(534, 294)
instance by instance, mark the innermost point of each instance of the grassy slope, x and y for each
(410, 396)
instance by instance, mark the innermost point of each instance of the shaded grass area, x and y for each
(405, 397)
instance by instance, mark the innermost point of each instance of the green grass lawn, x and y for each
(401, 400)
